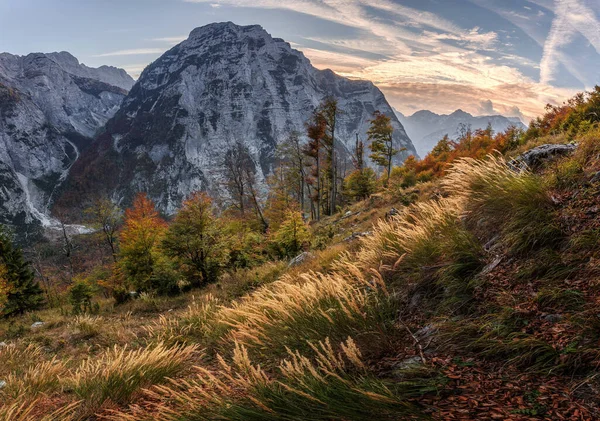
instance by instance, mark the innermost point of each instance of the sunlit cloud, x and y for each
(453, 64)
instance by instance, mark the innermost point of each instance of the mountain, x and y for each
(224, 84)
(426, 128)
(50, 109)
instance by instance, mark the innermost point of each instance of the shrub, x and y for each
(80, 297)
(292, 235)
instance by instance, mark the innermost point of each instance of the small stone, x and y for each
(410, 363)
(392, 212)
(3, 345)
(356, 235)
(37, 325)
(2, 384)
(552, 318)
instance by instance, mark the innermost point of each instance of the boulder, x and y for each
(540, 154)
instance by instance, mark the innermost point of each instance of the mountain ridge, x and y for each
(225, 83)
(52, 107)
(426, 128)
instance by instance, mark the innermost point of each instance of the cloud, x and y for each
(133, 52)
(171, 40)
(486, 108)
(573, 17)
(427, 59)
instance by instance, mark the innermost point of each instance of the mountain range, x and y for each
(51, 108)
(70, 133)
(427, 128)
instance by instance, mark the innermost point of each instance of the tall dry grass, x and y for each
(311, 306)
(499, 200)
(114, 377)
(331, 386)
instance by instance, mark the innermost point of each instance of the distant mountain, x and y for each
(50, 109)
(224, 84)
(426, 128)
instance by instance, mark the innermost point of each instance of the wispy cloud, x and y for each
(432, 56)
(133, 52)
(573, 17)
(170, 40)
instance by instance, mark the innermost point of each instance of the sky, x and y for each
(483, 56)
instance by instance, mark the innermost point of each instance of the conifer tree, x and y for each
(196, 240)
(19, 292)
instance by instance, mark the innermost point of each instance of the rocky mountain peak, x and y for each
(223, 85)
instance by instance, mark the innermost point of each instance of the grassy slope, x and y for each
(478, 302)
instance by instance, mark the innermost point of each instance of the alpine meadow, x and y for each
(392, 212)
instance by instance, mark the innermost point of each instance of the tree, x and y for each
(382, 142)
(315, 129)
(361, 183)
(139, 239)
(19, 292)
(240, 177)
(195, 239)
(106, 215)
(329, 111)
(80, 297)
(293, 164)
(291, 235)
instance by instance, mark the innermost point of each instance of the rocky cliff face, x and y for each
(426, 128)
(50, 109)
(224, 84)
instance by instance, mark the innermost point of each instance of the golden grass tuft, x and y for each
(307, 307)
(334, 386)
(117, 375)
(500, 200)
